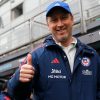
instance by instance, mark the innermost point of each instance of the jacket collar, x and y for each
(49, 42)
(86, 49)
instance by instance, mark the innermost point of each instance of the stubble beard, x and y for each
(64, 38)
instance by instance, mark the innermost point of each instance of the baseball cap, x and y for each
(58, 4)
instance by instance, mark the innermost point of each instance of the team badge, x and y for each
(85, 61)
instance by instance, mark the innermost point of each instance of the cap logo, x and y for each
(57, 4)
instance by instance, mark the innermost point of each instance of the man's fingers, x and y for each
(27, 76)
(27, 70)
(24, 80)
(29, 59)
(27, 67)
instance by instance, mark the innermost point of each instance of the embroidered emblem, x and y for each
(86, 72)
(57, 4)
(55, 61)
(85, 61)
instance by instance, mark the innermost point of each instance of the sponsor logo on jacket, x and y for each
(86, 72)
(56, 74)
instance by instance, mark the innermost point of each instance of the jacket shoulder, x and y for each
(87, 48)
(90, 49)
(38, 50)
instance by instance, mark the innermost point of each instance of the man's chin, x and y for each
(63, 39)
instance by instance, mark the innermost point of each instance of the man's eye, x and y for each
(53, 20)
(64, 17)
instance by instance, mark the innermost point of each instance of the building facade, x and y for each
(23, 27)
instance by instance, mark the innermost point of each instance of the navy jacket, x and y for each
(53, 78)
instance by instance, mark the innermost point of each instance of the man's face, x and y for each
(60, 24)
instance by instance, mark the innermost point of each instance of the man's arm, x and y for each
(20, 85)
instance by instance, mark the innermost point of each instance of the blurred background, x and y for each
(23, 27)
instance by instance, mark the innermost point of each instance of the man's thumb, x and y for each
(29, 59)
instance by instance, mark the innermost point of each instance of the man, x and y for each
(62, 68)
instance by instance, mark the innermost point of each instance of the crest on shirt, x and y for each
(85, 61)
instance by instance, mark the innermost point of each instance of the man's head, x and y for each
(60, 21)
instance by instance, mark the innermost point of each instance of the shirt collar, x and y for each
(74, 42)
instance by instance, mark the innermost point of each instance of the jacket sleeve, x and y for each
(98, 80)
(19, 90)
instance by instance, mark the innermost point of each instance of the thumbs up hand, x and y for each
(27, 71)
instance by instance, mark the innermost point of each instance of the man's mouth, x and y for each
(61, 31)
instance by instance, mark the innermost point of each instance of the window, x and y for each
(17, 11)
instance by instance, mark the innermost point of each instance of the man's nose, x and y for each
(60, 23)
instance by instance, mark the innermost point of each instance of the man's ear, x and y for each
(47, 20)
(72, 18)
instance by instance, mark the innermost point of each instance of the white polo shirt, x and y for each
(70, 52)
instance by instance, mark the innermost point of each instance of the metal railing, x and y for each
(35, 28)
